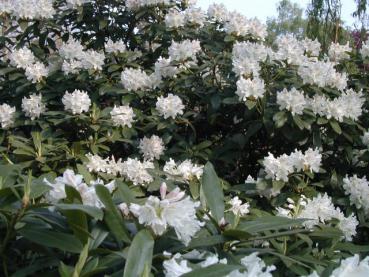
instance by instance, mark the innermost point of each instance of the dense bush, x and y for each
(117, 117)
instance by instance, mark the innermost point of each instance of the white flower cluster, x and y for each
(185, 170)
(352, 266)
(218, 12)
(76, 3)
(348, 105)
(365, 138)
(115, 47)
(122, 116)
(237, 207)
(320, 209)
(364, 50)
(28, 9)
(250, 89)
(108, 165)
(279, 168)
(164, 68)
(246, 57)
(338, 52)
(358, 190)
(184, 50)
(33, 106)
(254, 266)
(175, 18)
(238, 25)
(76, 58)
(137, 79)
(151, 148)
(178, 265)
(322, 74)
(24, 58)
(169, 106)
(174, 209)
(6, 115)
(88, 193)
(291, 100)
(136, 171)
(136, 4)
(76, 102)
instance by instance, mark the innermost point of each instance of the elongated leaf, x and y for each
(139, 255)
(62, 241)
(218, 270)
(90, 210)
(267, 223)
(112, 216)
(213, 192)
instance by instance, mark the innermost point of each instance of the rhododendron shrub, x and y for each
(152, 138)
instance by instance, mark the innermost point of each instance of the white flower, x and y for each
(22, 58)
(174, 19)
(164, 68)
(136, 79)
(35, 72)
(364, 51)
(151, 148)
(136, 171)
(237, 207)
(247, 88)
(278, 168)
(77, 102)
(352, 267)
(174, 210)
(338, 52)
(172, 268)
(348, 226)
(358, 190)
(73, 66)
(122, 116)
(254, 267)
(186, 169)
(76, 3)
(33, 106)
(92, 60)
(292, 100)
(169, 106)
(195, 16)
(136, 4)
(6, 115)
(32, 9)
(312, 160)
(115, 47)
(187, 49)
(312, 47)
(218, 11)
(290, 49)
(96, 163)
(72, 49)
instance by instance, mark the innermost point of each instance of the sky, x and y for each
(263, 9)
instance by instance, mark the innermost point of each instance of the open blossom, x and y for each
(136, 4)
(237, 207)
(254, 267)
(195, 16)
(33, 106)
(88, 193)
(238, 25)
(174, 209)
(76, 3)
(174, 19)
(164, 68)
(247, 88)
(169, 106)
(278, 168)
(35, 72)
(338, 52)
(92, 60)
(115, 47)
(122, 116)
(137, 79)
(291, 100)
(151, 148)
(136, 171)
(186, 169)
(364, 50)
(96, 163)
(22, 58)
(72, 66)
(365, 138)
(290, 49)
(6, 115)
(173, 268)
(77, 102)
(358, 191)
(352, 267)
(72, 49)
(312, 47)
(30, 9)
(218, 11)
(186, 49)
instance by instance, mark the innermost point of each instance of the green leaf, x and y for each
(81, 260)
(112, 217)
(267, 223)
(140, 255)
(90, 210)
(45, 237)
(336, 126)
(218, 270)
(213, 192)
